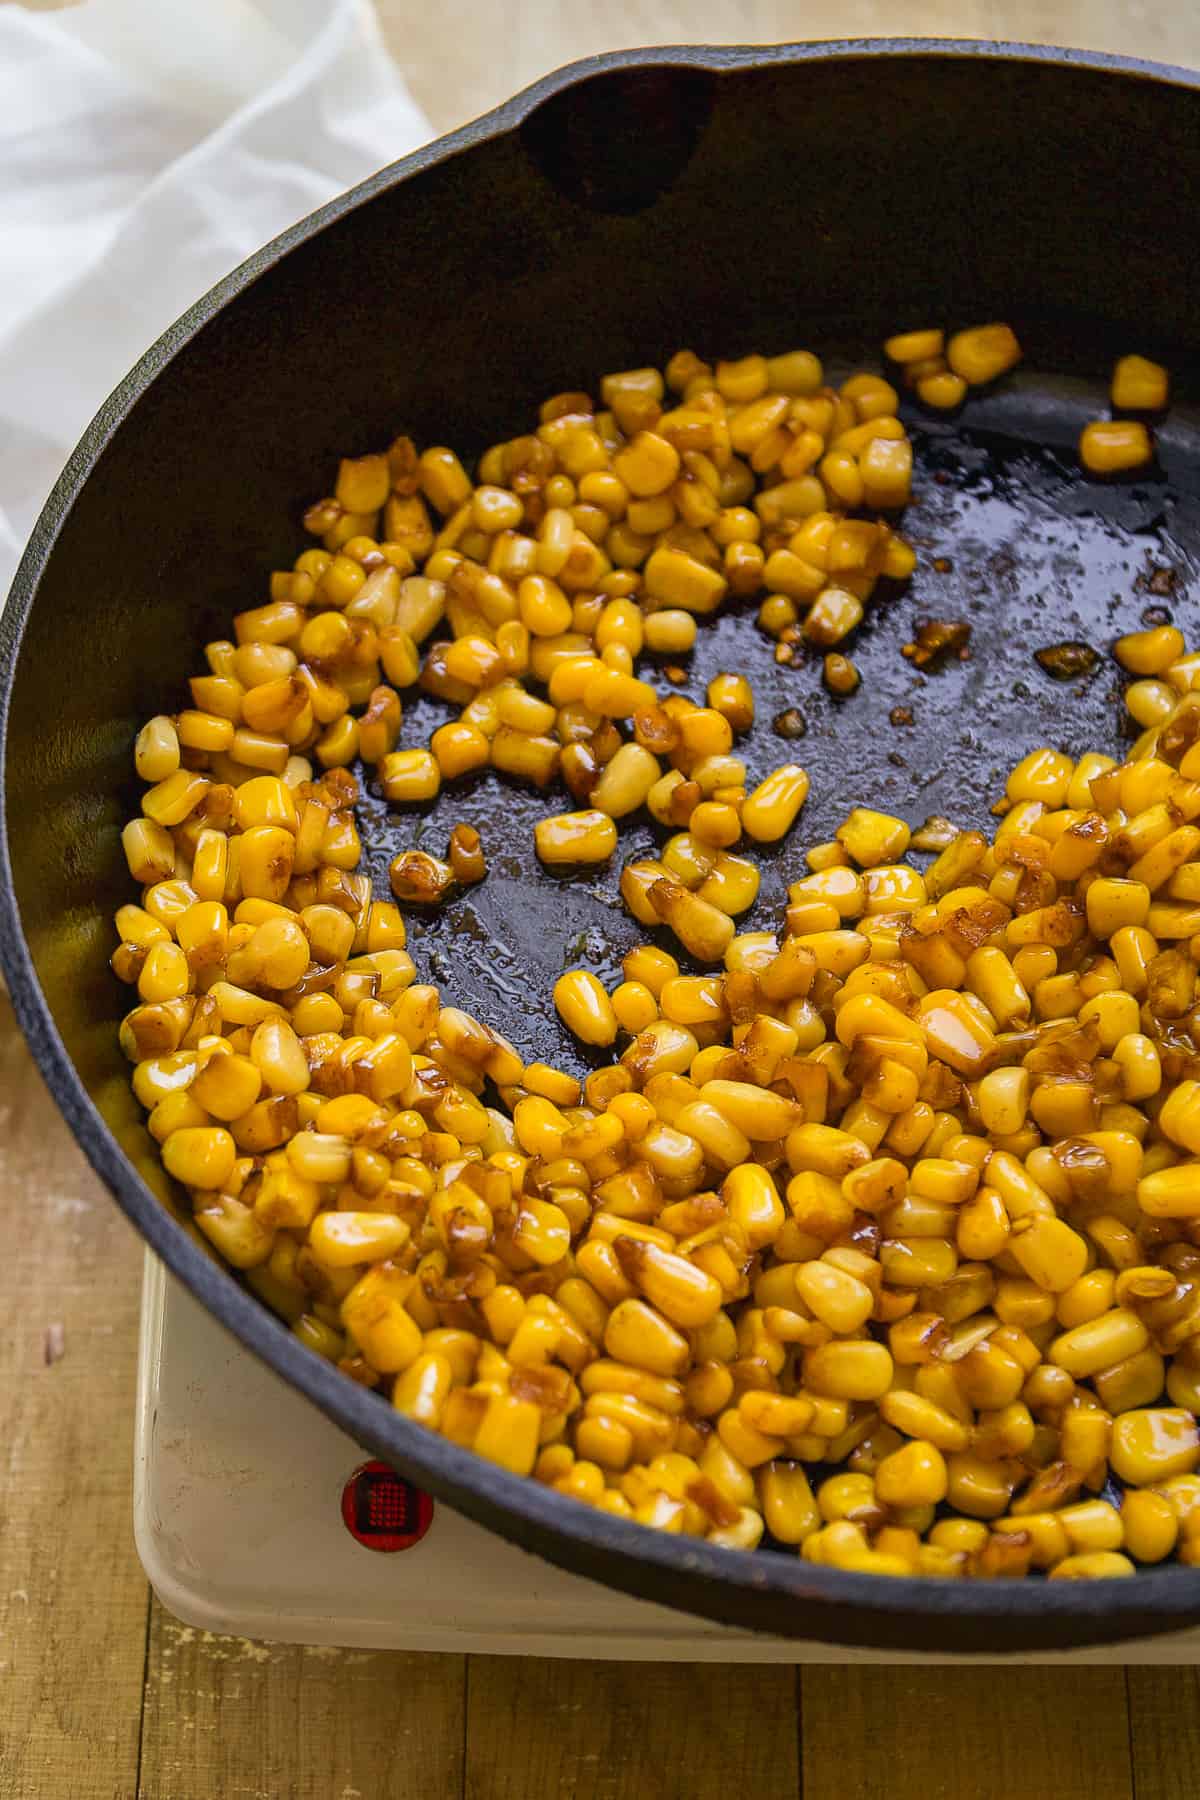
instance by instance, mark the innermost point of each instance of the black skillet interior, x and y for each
(822, 196)
(1012, 542)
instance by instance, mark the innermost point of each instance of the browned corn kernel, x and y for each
(418, 879)
(466, 855)
(840, 674)
(732, 697)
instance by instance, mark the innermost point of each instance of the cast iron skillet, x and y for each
(726, 199)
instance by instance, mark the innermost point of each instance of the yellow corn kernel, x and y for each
(235, 1230)
(443, 480)
(1150, 1525)
(156, 749)
(789, 1509)
(542, 1231)
(1179, 1118)
(201, 1156)
(856, 1369)
(942, 389)
(135, 925)
(763, 1116)
(912, 1476)
(842, 887)
(834, 1296)
(1094, 1565)
(703, 929)
(508, 1433)
(954, 1032)
(174, 799)
(1087, 1298)
(1043, 776)
(833, 615)
(770, 811)
(671, 632)
(420, 1392)
(679, 580)
(774, 1415)
(175, 1112)
(914, 346)
(340, 1240)
(580, 837)
(637, 1334)
(918, 1417)
(873, 837)
(647, 465)
(978, 1486)
(752, 1199)
(1051, 1254)
(265, 859)
(1171, 1193)
(1139, 385)
(1114, 903)
(683, 1293)
(319, 1157)
(410, 777)
(1091, 1526)
(457, 748)
(149, 851)
(731, 886)
(1152, 1444)
(733, 698)
(886, 469)
(165, 974)
(1100, 1342)
(614, 694)
(363, 483)
(634, 1005)
(1110, 446)
(227, 1086)
(625, 781)
(585, 1008)
(1003, 1098)
(983, 353)
(1150, 652)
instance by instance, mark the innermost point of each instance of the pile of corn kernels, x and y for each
(880, 1236)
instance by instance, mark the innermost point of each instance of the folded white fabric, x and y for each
(145, 150)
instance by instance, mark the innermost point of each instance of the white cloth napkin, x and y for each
(146, 148)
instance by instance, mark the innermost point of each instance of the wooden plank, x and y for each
(939, 1734)
(72, 1595)
(1164, 1732)
(547, 1730)
(242, 1721)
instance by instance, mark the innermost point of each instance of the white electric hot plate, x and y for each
(256, 1517)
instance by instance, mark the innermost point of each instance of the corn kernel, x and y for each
(1110, 446)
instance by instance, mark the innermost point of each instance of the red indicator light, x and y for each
(382, 1511)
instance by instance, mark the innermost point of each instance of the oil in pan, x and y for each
(1019, 552)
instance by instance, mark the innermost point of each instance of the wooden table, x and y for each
(104, 1697)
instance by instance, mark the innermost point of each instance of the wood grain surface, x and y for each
(629, 1731)
(72, 1593)
(104, 1697)
(967, 1734)
(479, 54)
